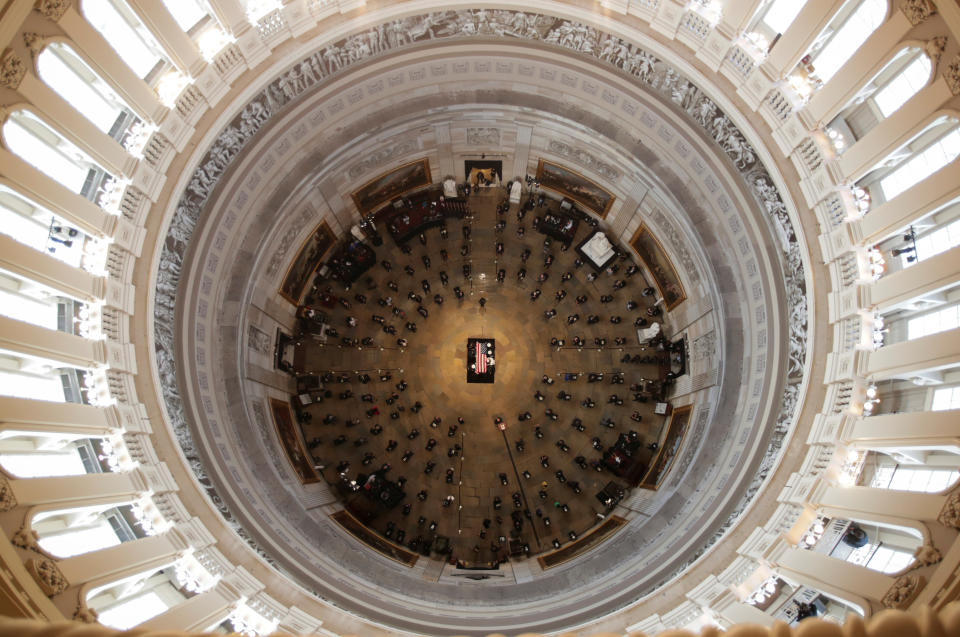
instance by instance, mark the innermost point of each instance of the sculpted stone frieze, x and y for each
(585, 159)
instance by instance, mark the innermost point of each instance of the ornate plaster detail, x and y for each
(585, 159)
(483, 137)
(47, 574)
(950, 513)
(648, 70)
(935, 48)
(952, 75)
(7, 500)
(35, 43)
(12, 70)
(86, 615)
(705, 346)
(381, 157)
(927, 555)
(26, 539)
(258, 340)
(917, 10)
(53, 9)
(903, 591)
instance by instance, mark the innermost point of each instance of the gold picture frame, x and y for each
(290, 440)
(391, 184)
(308, 259)
(575, 186)
(650, 251)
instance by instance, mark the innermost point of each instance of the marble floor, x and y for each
(432, 364)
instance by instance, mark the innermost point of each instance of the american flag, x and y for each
(481, 356)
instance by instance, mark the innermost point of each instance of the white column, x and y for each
(892, 132)
(855, 73)
(70, 492)
(143, 555)
(67, 419)
(105, 61)
(935, 351)
(23, 260)
(71, 350)
(76, 210)
(179, 47)
(856, 585)
(197, 613)
(68, 121)
(892, 216)
(910, 430)
(878, 504)
(931, 275)
(793, 44)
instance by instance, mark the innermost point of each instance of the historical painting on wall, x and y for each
(290, 440)
(306, 263)
(392, 184)
(669, 447)
(655, 259)
(575, 186)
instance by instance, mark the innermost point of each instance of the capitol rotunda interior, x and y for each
(399, 317)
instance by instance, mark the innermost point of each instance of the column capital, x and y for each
(950, 513)
(12, 70)
(53, 9)
(904, 590)
(951, 75)
(917, 10)
(47, 574)
(7, 499)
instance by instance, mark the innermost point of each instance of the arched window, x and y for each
(913, 478)
(67, 74)
(83, 530)
(770, 21)
(934, 242)
(125, 604)
(846, 37)
(31, 224)
(187, 13)
(934, 322)
(780, 14)
(922, 164)
(946, 398)
(125, 33)
(31, 302)
(36, 378)
(196, 19)
(898, 81)
(904, 85)
(21, 458)
(50, 153)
